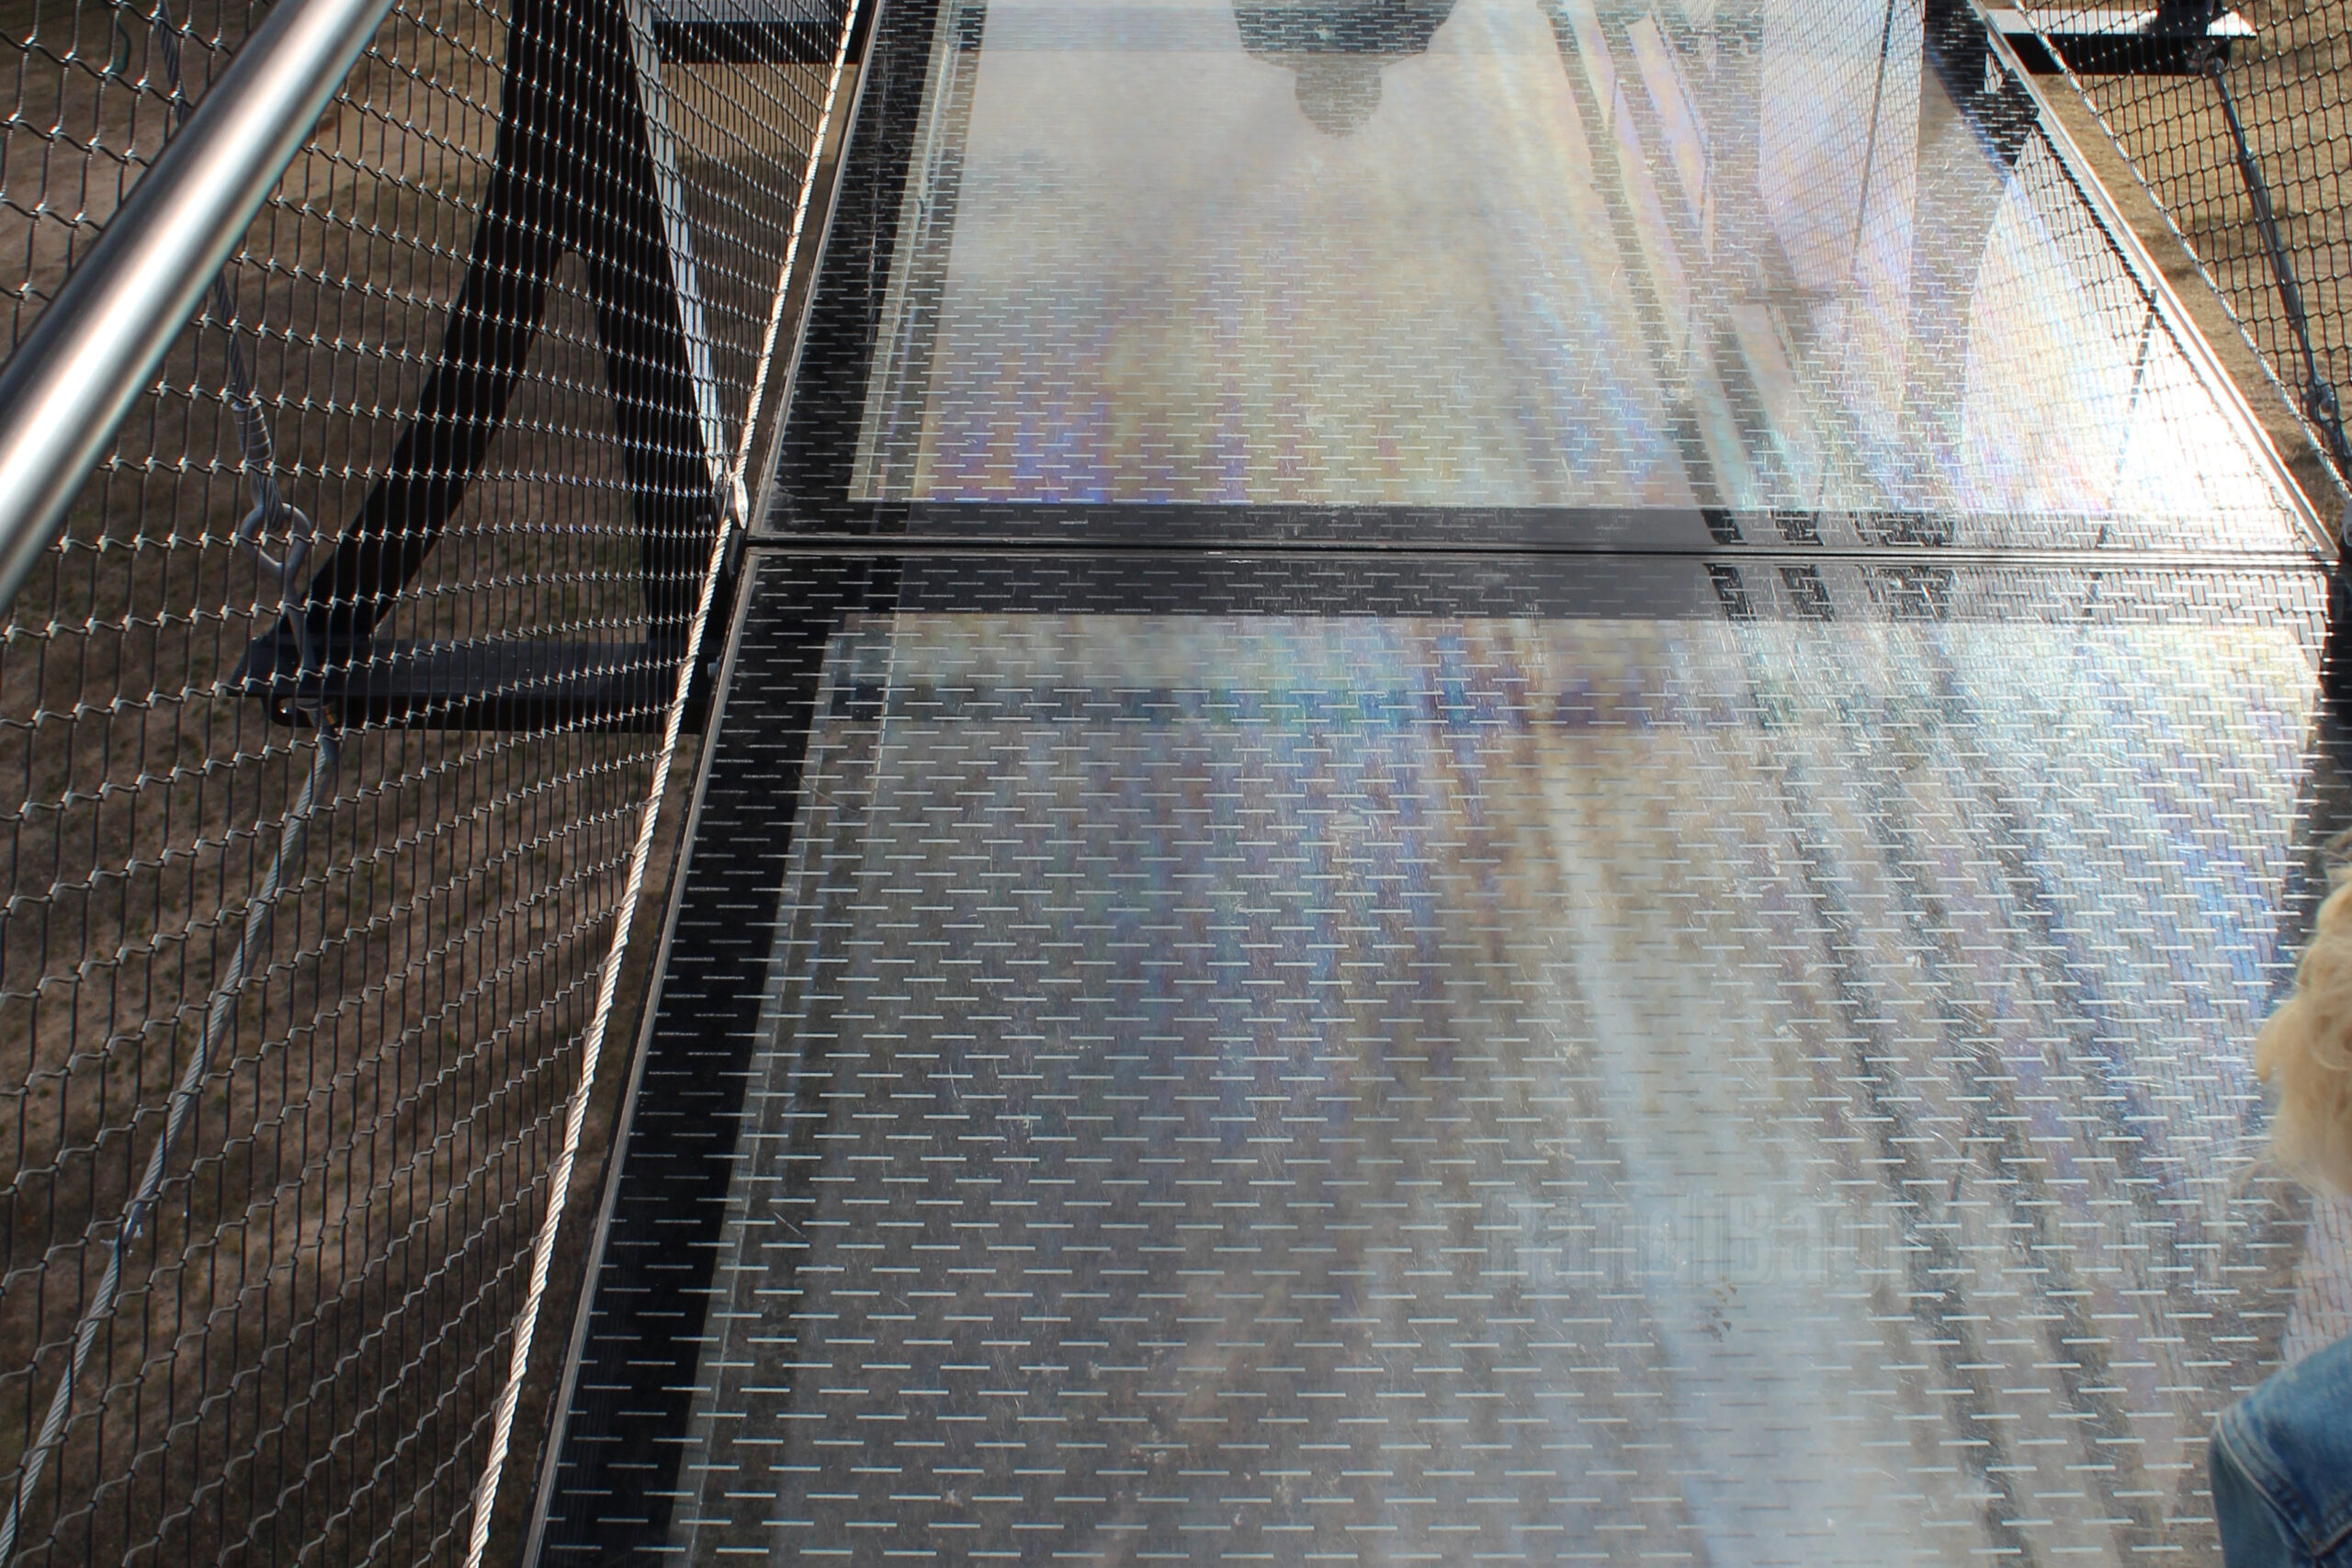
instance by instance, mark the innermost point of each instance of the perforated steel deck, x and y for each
(1654, 959)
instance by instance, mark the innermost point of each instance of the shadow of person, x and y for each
(1335, 49)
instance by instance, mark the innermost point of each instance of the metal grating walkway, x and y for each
(1501, 783)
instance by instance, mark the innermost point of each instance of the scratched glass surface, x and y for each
(1288, 1089)
(1529, 254)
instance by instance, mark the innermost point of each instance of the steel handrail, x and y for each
(96, 348)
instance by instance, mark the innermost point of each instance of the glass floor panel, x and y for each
(1508, 781)
(1209, 1061)
(1508, 271)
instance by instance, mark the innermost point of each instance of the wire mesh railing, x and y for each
(2237, 115)
(337, 729)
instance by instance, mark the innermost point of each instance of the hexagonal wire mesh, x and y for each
(336, 735)
(2237, 115)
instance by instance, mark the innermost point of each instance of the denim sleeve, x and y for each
(2252, 1536)
(2282, 1467)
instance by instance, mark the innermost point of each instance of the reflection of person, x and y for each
(1336, 49)
(2283, 1456)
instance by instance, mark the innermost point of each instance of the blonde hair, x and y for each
(2305, 1051)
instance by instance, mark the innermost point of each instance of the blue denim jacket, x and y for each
(2282, 1468)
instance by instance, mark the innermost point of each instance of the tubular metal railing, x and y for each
(354, 628)
(96, 348)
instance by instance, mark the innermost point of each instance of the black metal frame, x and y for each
(649, 1272)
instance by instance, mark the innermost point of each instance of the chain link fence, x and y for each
(339, 741)
(2237, 115)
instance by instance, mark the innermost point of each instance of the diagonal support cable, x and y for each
(99, 1314)
(2320, 404)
